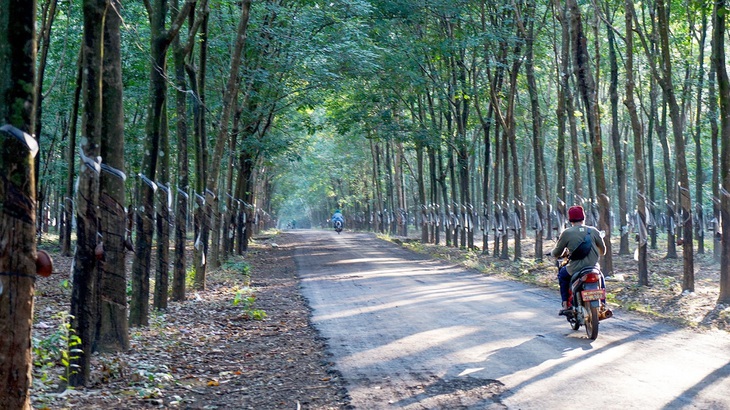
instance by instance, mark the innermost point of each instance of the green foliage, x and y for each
(190, 277)
(237, 265)
(246, 299)
(60, 348)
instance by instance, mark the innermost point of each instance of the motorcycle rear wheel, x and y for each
(591, 319)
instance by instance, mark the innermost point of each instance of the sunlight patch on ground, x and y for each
(412, 344)
(378, 260)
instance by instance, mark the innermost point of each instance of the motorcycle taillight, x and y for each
(592, 278)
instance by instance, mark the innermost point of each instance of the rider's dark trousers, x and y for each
(564, 281)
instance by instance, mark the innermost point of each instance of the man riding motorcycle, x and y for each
(337, 216)
(582, 243)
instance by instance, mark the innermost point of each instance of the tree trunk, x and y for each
(438, 223)
(85, 302)
(420, 182)
(539, 160)
(181, 194)
(723, 82)
(160, 40)
(617, 148)
(229, 96)
(561, 115)
(48, 16)
(68, 203)
(518, 212)
(587, 89)
(685, 201)
(17, 200)
(671, 193)
(641, 200)
(114, 330)
(712, 107)
(200, 244)
(699, 163)
(653, 124)
(162, 220)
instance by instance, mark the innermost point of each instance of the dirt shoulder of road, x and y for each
(246, 342)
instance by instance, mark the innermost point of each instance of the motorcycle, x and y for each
(586, 306)
(338, 226)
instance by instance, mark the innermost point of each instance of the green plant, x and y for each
(60, 348)
(246, 299)
(237, 265)
(240, 297)
(190, 277)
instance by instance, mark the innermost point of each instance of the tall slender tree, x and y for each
(589, 97)
(639, 158)
(17, 200)
(540, 192)
(719, 16)
(85, 296)
(685, 201)
(160, 41)
(113, 326)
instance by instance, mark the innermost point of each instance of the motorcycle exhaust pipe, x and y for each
(605, 314)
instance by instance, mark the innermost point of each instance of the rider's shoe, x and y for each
(565, 311)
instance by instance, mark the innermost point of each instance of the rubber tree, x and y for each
(685, 201)
(639, 158)
(17, 200)
(113, 326)
(229, 95)
(587, 90)
(85, 283)
(719, 15)
(160, 41)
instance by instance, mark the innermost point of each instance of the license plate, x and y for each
(595, 294)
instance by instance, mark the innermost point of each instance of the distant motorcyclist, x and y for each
(337, 217)
(579, 257)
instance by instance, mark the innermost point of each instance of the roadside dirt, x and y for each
(209, 352)
(217, 351)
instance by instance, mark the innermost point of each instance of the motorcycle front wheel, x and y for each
(591, 319)
(574, 324)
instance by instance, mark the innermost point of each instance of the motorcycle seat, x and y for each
(589, 269)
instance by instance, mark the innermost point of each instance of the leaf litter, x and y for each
(245, 342)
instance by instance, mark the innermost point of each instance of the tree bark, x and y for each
(617, 147)
(17, 202)
(685, 202)
(181, 193)
(713, 114)
(699, 163)
(641, 200)
(48, 16)
(85, 296)
(539, 161)
(68, 202)
(723, 83)
(114, 329)
(229, 95)
(587, 89)
(160, 40)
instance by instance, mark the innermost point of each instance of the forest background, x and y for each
(162, 124)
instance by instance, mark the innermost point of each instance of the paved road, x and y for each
(410, 333)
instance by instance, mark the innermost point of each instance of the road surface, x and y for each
(407, 332)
